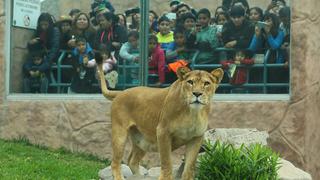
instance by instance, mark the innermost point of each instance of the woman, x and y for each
(47, 38)
(81, 27)
(110, 33)
(271, 37)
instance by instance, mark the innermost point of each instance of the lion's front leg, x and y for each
(164, 145)
(192, 150)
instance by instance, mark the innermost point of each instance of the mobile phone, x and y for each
(261, 24)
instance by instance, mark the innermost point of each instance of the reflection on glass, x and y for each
(250, 43)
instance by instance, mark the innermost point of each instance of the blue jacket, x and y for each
(273, 43)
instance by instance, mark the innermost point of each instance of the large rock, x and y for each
(289, 172)
(236, 136)
(151, 174)
(106, 174)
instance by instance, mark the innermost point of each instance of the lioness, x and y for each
(161, 119)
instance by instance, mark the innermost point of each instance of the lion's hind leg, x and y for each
(119, 138)
(135, 157)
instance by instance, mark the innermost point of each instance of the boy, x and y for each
(83, 76)
(129, 52)
(36, 73)
(165, 35)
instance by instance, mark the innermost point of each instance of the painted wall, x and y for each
(84, 125)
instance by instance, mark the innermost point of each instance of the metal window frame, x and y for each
(144, 5)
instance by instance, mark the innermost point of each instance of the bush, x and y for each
(224, 161)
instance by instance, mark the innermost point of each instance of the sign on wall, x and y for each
(26, 13)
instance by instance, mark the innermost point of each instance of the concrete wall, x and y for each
(84, 125)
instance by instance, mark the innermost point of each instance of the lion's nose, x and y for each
(197, 94)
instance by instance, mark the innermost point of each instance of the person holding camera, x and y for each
(135, 18)
(271, 37)
(275, 6)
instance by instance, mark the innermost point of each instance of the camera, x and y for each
(132, 11)
(261, 24)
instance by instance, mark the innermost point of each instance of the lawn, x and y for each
(21, 160)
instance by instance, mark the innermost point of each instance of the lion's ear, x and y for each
(218, 73)
(182, 71)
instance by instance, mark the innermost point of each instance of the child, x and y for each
(179, 57)
(221, 19)
(179, 48)
(65, 26)
(36, 74)
(129, 51)
(84, 76)
(108, 66)
(237, 75)
(255, 14)
(156, 61)
(165, 35)
(206, 39)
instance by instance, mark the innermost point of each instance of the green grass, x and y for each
(21, 160)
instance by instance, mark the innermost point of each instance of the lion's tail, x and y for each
(105, 91)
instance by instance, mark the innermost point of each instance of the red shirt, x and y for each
(157, 63)
(240, 75)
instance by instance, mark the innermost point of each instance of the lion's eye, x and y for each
(207, 83)
(190, 82)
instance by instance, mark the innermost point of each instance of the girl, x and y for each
(222, 18)
(237, 75)
(271, 37)
(122, 20)
(156, 61)
(108, 66)
(255, 14)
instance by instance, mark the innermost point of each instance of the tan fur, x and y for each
(162, 120)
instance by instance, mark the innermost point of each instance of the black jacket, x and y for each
(242, 34)
(118, 34)
(51, 47)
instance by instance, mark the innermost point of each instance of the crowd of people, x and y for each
(232, 36)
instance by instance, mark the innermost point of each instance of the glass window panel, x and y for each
(263, 69)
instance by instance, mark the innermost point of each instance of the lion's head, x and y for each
(198, 87)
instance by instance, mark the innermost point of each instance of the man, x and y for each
(238, 32)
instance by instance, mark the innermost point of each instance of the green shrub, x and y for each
(225, 162)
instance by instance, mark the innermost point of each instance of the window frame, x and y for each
(8, 4)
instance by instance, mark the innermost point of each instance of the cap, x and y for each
(174, 2)
(237, 11)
